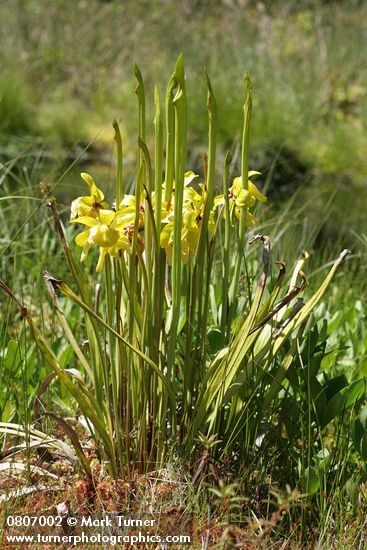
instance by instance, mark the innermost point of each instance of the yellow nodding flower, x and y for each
(242, 199)
(88, 205)
(112, 231)
(102, 232)
(109, 230)
(125, 215)
(188, 178)
(192, 215)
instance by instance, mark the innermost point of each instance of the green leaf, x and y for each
(66, 356)
(333, 408)
(359, 438)
(346, 397)
(214, 340)
(13, 356)
(312, 477)
(335, 385)
(354, 391)
(8, 412)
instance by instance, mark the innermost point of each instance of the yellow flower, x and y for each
(89, 205)
(102, 232)
(240, 198)
(125, 215)
(192, 215)
(110, 230)
(189, 176)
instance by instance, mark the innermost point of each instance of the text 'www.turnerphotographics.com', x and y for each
(108, 529)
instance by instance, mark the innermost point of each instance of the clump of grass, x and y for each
(175, 349)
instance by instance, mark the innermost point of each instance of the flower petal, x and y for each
(127, 201)
(82, 238)
(103, 236)
(243, 198)
(86, 220)
(102, 255)
(82, 206)
(253, 190)
(166, 235)
(237, 184)
(94, 191)
(218, 200)
(85, 252)
(106, 216)
(189, 218)
(250, 219)
(189, 176)
(122, 244)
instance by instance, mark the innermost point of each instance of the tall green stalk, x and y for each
(245, 154)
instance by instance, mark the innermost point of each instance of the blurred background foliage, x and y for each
(67, 71)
